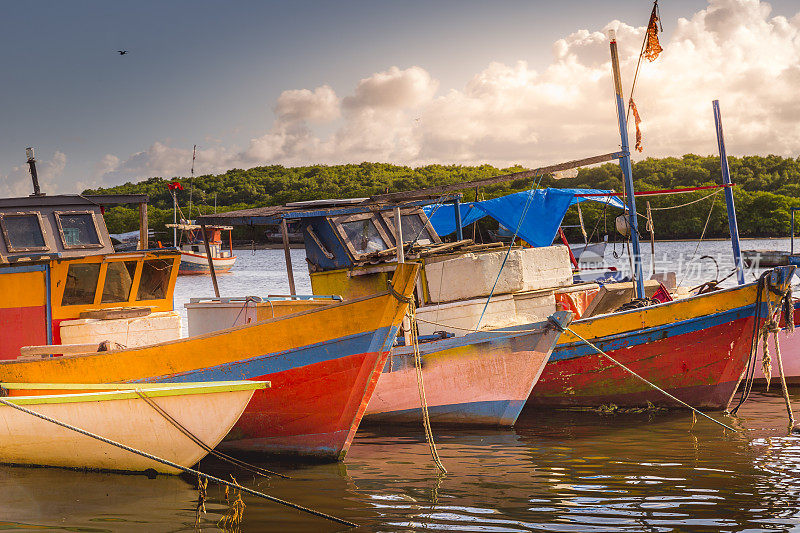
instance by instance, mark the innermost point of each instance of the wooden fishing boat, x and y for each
(323, 364)
(119, 413)
(482, 378)
(194, 260)
(696, 349)
(69, 301)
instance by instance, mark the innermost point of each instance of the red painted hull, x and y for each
(700, 367)
(311, 411)
(22, 326)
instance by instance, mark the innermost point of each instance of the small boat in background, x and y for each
(765, 258)
(193, 253)
(122, 413)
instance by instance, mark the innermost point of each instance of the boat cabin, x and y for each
(193, 243)
(351, 251)
(58, 265)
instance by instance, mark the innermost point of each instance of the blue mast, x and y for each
(627, 171)
(726, 179)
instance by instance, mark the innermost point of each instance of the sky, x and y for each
(405, 82)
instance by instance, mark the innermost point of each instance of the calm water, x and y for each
(568, 471)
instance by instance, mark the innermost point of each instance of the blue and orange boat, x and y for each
(66, 295)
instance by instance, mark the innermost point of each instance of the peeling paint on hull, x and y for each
(695, 349)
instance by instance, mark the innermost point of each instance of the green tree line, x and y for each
(766, 187)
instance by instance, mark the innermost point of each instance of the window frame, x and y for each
(342, 234)
(58, 215)
(388, 219)
(14, 249)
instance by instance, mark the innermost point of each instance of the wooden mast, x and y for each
(627, 171)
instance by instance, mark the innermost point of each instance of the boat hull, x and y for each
(131, 421)
(482, 378)
(790, 355)
(696, 349)
(323, 365)
(194, 264)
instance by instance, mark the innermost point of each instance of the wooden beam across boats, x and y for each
(119, 413)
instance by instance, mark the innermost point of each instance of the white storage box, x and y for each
(129, 332)
(473, 275)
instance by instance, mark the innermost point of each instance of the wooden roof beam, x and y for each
(444, 189)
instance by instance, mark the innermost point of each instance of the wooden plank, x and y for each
(143, 245)
(66, 349)
(287, 256)
(210, 260)
(444, 189)
(445, 247)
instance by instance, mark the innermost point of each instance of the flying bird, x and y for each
(122, 52)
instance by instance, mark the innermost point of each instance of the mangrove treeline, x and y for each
(766, 187)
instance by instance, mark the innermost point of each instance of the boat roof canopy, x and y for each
(48, 227)
(535, 214)
(314, 209)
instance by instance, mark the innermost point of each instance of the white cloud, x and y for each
(733, 50)
(18, 181)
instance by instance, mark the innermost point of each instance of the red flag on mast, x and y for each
(175, 185)
(653, 47)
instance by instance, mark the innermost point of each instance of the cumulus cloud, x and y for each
(18, 181)
(733, 50)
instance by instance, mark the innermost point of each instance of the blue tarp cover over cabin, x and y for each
(541, 211)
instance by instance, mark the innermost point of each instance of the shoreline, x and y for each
(300, 246)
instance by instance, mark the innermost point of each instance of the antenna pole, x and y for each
(34, 175)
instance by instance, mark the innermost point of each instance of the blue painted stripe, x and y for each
(656, 333)
(492, 412)
(263, 365)
(48, 304)
(22, 268)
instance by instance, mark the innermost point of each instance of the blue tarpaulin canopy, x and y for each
(541, 211)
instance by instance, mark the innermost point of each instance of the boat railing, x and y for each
(267, 298)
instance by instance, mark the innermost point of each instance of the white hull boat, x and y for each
(118, 412)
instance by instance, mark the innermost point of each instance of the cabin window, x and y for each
(361, 234)
(196, 249)
(119, 280)
(78, 230)
(23, 232)
(155, 279)
(81, 284)
(416, 227)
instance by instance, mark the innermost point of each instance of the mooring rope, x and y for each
(194, 438)
(625, 368)
(177, 466)
(426, 420)
(772, 326)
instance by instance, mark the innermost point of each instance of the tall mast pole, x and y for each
(191, 181)
(627, 171)
(726, 179)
